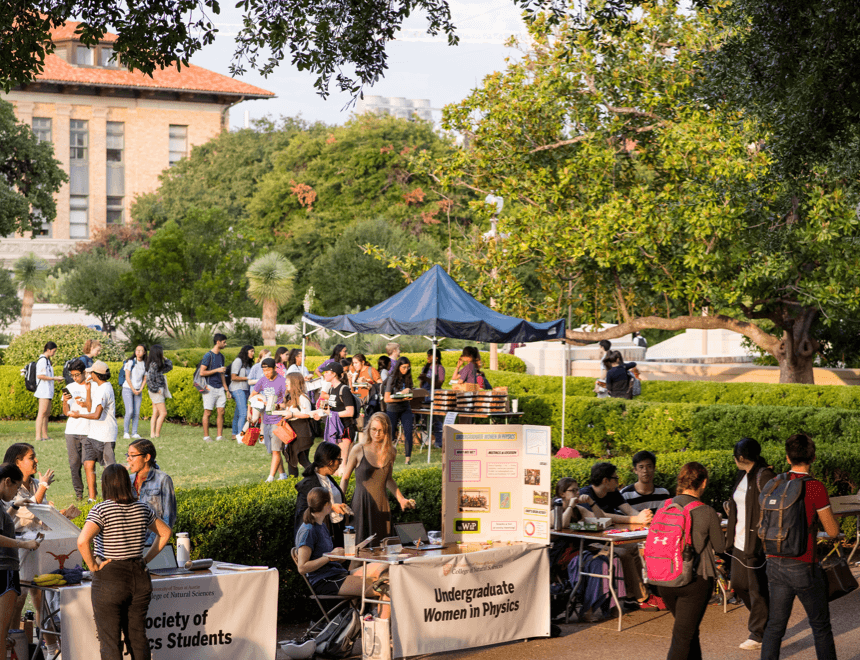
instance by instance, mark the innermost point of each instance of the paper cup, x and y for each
(515, 405)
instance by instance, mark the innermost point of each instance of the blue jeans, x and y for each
(788, 578)
(241, 412)
(405, 417)
(132, 409)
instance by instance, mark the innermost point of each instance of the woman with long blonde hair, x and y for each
(373, 463)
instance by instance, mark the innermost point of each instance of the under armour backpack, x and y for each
(782, 525)
(670, 559)
(29, 374)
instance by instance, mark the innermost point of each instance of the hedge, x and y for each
(69, 339)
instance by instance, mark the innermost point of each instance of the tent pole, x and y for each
(563, 386)
(304, 336)
(432, 400)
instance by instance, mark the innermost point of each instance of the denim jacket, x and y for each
(157, 492)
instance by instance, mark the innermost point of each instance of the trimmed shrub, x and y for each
(70, 343)
(508, 364)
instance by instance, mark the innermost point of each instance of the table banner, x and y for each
(213, 616)
(451, 602)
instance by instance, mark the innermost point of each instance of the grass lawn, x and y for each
(182, 453)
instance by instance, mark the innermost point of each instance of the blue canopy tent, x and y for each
(436, 306)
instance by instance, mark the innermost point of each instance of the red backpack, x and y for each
(669, 554)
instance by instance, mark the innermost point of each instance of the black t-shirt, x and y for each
(395, 405)
(341, 398)
(610, 503)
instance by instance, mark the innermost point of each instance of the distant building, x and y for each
(395, 106)
(114, 131)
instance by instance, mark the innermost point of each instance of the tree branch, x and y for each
(563, 143)
(761, 338)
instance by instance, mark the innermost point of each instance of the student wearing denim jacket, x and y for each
(150, 484)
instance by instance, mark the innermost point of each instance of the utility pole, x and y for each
(493, 235)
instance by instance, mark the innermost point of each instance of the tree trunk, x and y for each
(270, 318)
(795, 353)
(27, 310)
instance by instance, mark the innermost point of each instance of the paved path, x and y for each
(646, 635)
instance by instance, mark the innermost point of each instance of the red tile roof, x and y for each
(190, 79)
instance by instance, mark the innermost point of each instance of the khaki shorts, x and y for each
(214, 398)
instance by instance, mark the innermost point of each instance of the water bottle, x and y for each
(183, 548)
(558, 514)
(349, 541)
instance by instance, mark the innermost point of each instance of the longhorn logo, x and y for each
(60, 558)
(661, 539)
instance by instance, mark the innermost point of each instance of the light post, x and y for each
(493, 235)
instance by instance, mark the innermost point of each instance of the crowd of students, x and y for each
(766, 580)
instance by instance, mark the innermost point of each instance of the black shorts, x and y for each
(10, 580)
(329, 586)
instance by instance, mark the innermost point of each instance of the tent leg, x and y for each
(563, 387)
(432, 400)
(304, 337)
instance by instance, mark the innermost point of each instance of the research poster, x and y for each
(496, 483)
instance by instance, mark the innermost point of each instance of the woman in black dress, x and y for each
(299, 418)
(318, 475)
(373, 463)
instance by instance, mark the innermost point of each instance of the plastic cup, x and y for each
(515, 405)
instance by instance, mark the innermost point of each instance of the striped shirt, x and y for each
(123, 528)
(641, 502)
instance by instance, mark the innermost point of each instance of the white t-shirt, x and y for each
(296, 369)
(44, 388)
(76, 425)
(740, 498)
(304, 406)
(104, 428)
(137, 368)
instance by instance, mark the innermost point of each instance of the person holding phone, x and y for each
(77, 399)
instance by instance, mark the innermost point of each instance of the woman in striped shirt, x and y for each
(121, 585)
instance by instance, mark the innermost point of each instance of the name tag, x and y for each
(771, 501)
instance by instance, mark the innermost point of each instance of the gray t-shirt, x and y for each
(238, 369)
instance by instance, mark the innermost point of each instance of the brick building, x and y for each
(114, 131)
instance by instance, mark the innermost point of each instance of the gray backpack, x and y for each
(339, 635)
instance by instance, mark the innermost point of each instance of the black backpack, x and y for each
(67, 373)
(29, 374)
(782, 525)
(339, 635)
(621, 389)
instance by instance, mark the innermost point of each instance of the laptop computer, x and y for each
(411, 533)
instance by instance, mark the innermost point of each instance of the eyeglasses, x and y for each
(376, 431)
(75, 374)
(133, 455)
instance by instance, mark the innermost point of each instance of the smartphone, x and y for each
(66, 391)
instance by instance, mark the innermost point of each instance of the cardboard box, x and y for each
(59, 549)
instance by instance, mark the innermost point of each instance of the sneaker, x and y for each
(219, 438)
(239, 439)
(206, 438)
(269, 479)
(751, 645)
(282, 477)
(653, 602)
(126, 436)
(90, 500)
(136, 436)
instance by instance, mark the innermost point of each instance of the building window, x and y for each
(105, 55)
(42, 128)
(115, 141)
(83, 56)
(114, 210)
(178, 143)
(78, 139)
(78, 216)
(47, 230)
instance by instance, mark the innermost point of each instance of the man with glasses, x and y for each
(152, 486)
(644, 494)
(76, 398)
(603, 489)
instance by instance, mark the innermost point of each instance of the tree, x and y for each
(324, 38)
(330, 178)
(96, 286)
(270, 280)
(639, 202)
(221, 174)
(191, 274)
(31, 273)
(29, 174)
(10, 305)
(373, 280)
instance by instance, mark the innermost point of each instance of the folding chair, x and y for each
(390, 540)
(339, 602)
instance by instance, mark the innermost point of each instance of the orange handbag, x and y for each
(284, 432)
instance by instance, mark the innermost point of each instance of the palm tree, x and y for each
(31, 275)
(270, 284)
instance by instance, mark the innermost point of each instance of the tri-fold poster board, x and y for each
(496, 483)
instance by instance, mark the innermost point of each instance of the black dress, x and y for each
(370, 502)
(304, 487)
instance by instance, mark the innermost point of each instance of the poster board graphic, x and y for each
(496, 483)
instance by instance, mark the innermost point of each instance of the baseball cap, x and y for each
(336, 367)
(100, 368)
(268, 362)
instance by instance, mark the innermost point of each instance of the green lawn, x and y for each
(182, 453)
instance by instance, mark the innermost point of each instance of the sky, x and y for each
(419, 66)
